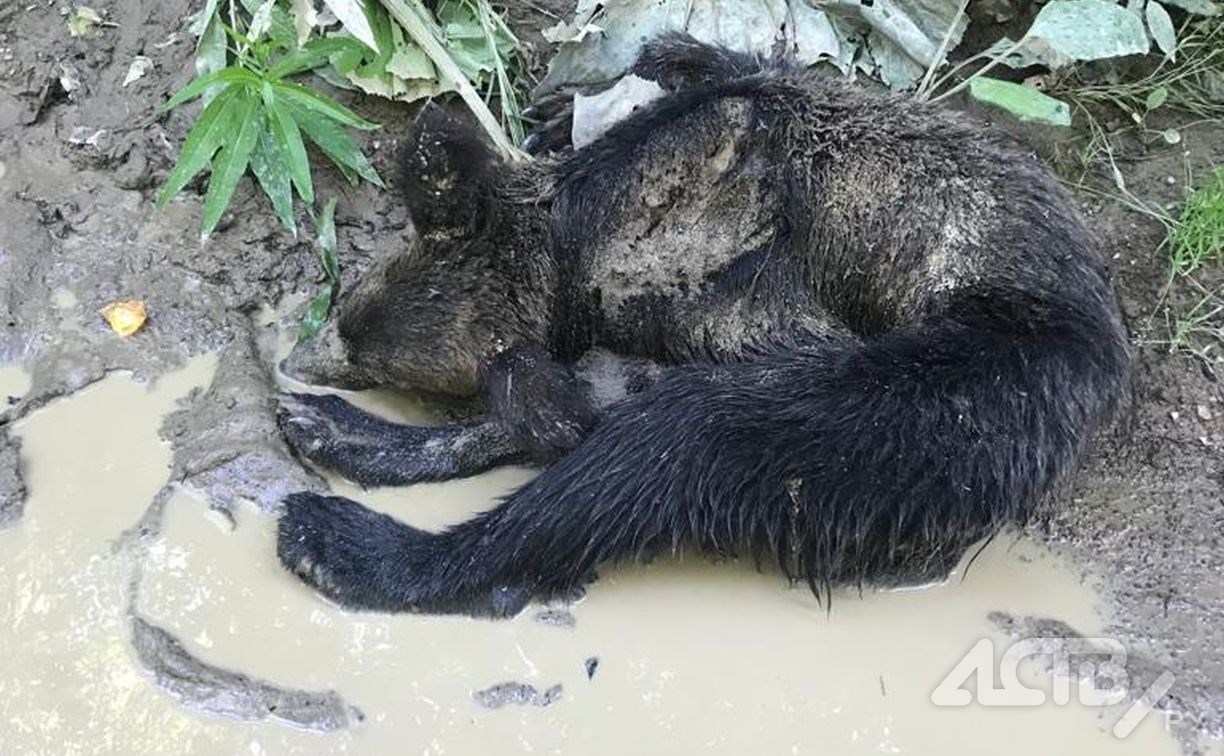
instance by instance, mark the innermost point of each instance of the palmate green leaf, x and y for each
(335, 143)
(272, 171)
(288, 140)
(231, 161)
(319, 105)
(196, 87)
(210, 131)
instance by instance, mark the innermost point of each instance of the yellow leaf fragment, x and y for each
(125, 317)
(83, 21)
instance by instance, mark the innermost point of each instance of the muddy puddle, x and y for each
(677, 657)
(14, 383)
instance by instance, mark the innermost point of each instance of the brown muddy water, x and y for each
(681, 656)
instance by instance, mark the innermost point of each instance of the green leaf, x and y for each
(288, 140)
(326, 239)
(196, 87)
(282, 31)
(270, 167)
(1090, 29)
(1161, 27)
(261, 20)
(198, 22)
(211, 129)
(414, 18)
(321, 303)
(1025, 103)
(83, 21)
(335, 143)
(313, 54)
(352, 14)
(304, 19)
(316, 314)
(210, 53)
(384, 35)
(232, 160)
(313, 102)
(1157, 97)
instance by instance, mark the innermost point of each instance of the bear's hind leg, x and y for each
(362, 559)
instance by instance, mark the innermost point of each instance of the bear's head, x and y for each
(474, 279)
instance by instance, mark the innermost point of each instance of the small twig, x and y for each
(981, 71)
(940, 53)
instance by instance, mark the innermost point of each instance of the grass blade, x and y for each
(208, 133)
(232, 160)
(271, 169)
(317, 104)
(335, 143)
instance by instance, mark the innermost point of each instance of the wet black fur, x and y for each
(860, 394)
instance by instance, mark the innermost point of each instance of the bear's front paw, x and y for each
(364, 448)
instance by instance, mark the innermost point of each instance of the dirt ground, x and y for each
(81, 156)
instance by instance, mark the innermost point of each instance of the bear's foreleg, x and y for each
(371, 451)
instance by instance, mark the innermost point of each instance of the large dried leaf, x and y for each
(1090, 29)
(603, 39)
(1162, 29)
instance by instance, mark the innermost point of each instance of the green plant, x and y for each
(325, 243)
(1191, 81)
(460, 35)
(1198, 238)
(1197, 325)
(1067, 31)
(1195, 243)
(256, 117)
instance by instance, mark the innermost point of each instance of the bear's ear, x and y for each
(450, 173)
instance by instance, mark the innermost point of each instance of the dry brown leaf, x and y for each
(125, 317)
